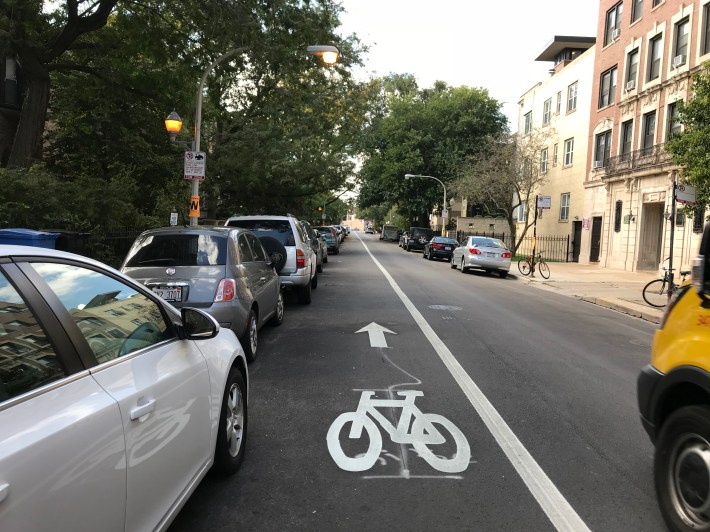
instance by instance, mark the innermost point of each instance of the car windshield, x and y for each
(278, 229)
(178, 250)
(488, 243)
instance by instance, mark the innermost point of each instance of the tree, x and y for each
(691, 147)
(504, 176)
(430, 132)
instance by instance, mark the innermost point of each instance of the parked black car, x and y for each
(440, 247)
(417, 238)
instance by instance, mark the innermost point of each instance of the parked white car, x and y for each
(482, 253)
(113, 404)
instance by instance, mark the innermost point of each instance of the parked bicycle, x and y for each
(657, 292)
(527, 265)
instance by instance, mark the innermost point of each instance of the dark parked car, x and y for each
(222, 270)
(440, 247)
(331, 239)
(417, 238)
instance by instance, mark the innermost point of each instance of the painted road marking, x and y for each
(377, 334)
(414, 428)
(552, 502)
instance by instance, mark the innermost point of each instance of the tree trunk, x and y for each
(27, 147)
(8, 126)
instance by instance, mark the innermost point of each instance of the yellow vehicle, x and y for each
(674, 401)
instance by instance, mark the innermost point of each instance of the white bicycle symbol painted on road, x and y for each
(421, 435)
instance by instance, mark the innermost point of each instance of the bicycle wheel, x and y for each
(442, 460)
(655, 293)
(360, 461)
(544, 269)
(524, 266)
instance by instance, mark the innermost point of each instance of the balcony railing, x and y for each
(636, 160)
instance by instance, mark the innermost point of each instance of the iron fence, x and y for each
(553, 248)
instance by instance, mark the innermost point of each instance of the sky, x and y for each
(488, 44)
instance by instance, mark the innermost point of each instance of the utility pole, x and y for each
(532, 262)
(670, 254)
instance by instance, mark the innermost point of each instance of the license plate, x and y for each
(174, 293)
(489, 254)
(447, 248)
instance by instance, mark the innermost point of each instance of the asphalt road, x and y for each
(525, 416)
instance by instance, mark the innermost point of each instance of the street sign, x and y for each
(685, 194)
(194, 207)
(195, 165)
(173, 218)
(445, 213)
(544, 202)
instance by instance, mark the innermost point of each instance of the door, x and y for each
(161, 385)
(268, 279)
(576, 240)
(652, 221)
(596, 239)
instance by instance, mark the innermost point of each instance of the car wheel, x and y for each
(325, 259)
(429, 256)
(319, 267)
(681, 469)
(408, 248)
(278, 317)
(232, 431)
(453, 263)
(304, 294)
(503, 274)
(463, 265)
(489, 272)
(314, 282)
(337, 250)
(250, 339)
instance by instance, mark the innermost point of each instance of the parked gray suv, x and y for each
(283, 234)
(223, 271)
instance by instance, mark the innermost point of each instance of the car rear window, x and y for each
(416, 233)
(178, 250)
(444, 240)
(278, 229)
(488, 243)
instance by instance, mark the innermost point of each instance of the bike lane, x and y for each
(426, 456)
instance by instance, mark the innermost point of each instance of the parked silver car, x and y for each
(483, 253)
(113, 404)
(285, 234)
(224, 271)
(317, 243)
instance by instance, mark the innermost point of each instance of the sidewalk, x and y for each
(615, 289)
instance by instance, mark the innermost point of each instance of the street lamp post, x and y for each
(443, 209)
(173, 124)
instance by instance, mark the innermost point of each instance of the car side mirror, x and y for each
(197, 324)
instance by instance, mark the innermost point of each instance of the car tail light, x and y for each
(300, 259)
(474, 251)
(437, 246)
(506, 255)
(226, 291)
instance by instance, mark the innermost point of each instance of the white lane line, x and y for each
(558, 510)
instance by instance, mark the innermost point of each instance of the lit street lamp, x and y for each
(444, 212)
(173, 123)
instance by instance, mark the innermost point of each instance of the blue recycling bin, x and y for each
(28, 237)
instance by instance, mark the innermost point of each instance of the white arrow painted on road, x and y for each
(377, 334)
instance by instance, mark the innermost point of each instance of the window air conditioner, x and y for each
(616, 34)
(598, 164)
(678, 60)
(631, 85)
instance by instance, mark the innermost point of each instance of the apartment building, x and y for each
(646, 52)
(553, 122)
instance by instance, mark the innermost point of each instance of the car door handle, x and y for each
(143, 409)
(4, 490)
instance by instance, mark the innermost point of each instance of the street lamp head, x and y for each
(173, 124)
(329, 54)
(409, 176)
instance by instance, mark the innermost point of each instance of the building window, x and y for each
(657, 2)
(674, 126)
(523, 212)
(572, 97)
(617, 216)
(554, 154)
(547, 112)
(654, 57)
(543, 161)
(649, 131)
(559, 100)
(681, 41)
(613, 23)
(632, 69)
(706, 29)
(627, 131)
(564, 207)
(602, 149)
(699, 219)
(679, 217)
(607, 87)
(528, 122)
(569, 151)
(636, 10)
